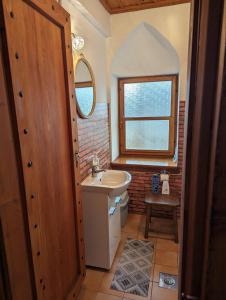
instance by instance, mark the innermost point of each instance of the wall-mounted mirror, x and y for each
(85, 90)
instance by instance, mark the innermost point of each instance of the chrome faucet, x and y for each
(96, 170)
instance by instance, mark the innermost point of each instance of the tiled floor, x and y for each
(97, 283)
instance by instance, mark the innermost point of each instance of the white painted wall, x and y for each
(83, 23)
(172, 22)
(114, 118)
(147, 42)
(145, 52)
(105, 34)
(99, 13)
(82, 73)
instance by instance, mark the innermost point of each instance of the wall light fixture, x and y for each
(78, 42)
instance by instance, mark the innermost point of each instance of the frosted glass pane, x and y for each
(147, 99)
(147, 135)
(84, 98)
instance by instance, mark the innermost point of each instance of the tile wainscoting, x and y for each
(93, 134)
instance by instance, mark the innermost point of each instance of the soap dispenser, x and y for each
(96, 161)
(164, 177)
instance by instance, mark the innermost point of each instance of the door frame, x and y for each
(206, 57)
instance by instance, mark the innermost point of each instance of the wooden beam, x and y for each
(106, 5)
(139, 6)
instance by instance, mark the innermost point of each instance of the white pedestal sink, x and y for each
(110, 182)
(101, 215)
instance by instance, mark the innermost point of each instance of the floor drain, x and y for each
(167, 281)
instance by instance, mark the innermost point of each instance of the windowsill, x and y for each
(145, 163)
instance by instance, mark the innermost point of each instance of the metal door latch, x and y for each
(77, 158)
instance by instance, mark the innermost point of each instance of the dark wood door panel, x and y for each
(203, 264)
(16, 270)
(41, 64)
(15, 267)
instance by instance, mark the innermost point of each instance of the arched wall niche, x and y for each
(145, 51)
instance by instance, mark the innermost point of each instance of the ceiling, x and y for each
(120, 6)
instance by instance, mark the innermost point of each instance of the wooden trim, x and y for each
(135, 167)
(139, 6)
(19, 232)
(52, 10)
(216, 213)
(148, 78)
(190, 105)
(141, 163)
(76, 163)
(200, 146)
(172, 118)
(83, 84)
(5, 287)
(106, 5)
(146, 118)
(76, 60)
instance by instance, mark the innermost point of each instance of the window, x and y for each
(147, 112)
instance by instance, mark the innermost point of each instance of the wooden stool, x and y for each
(152, 199)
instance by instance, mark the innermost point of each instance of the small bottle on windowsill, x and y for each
(164, 177)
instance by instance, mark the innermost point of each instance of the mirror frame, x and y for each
(78, 59)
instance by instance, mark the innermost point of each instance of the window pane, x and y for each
(147, 135)
(147, 99)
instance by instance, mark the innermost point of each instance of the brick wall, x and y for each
(141, 183)
(94, 137)
(141, 179)
(181, 134)
(93, 134)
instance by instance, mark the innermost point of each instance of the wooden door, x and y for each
(39, 45)
(15, 261)
(204, 243)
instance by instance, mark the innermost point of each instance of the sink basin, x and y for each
(112, 182)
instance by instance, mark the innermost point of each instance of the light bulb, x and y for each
(78, 42)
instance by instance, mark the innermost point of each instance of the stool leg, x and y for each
(150, 214)
(148, 211)
(175, 224)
